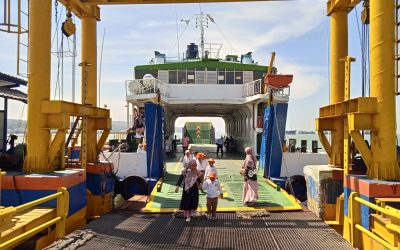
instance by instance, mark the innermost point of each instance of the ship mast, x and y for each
(202, 22)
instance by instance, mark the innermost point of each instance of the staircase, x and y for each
(23, 39)
(73, 136)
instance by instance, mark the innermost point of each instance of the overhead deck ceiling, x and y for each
(208, 110)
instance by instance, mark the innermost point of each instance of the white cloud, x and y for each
(307, 79)
(134, 32)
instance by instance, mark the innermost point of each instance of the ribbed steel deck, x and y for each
(287, 230)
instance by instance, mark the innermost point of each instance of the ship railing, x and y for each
(59, 220)
(391, 226)
(252, 88)
(257, 87)
(146, 86)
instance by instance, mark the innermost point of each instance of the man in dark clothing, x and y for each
(130, 140)
(220, 145)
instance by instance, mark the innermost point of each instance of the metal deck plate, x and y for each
(270, 199)
(288, 230)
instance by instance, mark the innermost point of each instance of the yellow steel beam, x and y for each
(341, 5)
(102, 139)
(73, 109)
(56, 145)
(325, 143)
(62, 212)
(383, 143)
(100, 2)
(39, 85)
(356, 105)
(103, 123)
(80, 9)
(89, 81)
(326, 124)
(361, 121)
(354, 210)
(362, 147)
(338, 50)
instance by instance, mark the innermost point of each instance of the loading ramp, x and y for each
(165, 200)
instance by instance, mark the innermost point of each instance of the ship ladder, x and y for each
(19, 26)
(73, 136)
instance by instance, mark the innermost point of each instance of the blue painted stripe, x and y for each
(77, 197)
(100, 184)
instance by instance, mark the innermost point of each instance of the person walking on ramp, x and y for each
(190, 195)
(213, 188)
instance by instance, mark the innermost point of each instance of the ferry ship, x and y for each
(46, 201)
(203, 84)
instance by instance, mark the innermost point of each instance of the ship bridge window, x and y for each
(182, 76)
(190, 76)
(230, 77)
(239, 77)
(173, 77)
(258, 74)
(221, 76)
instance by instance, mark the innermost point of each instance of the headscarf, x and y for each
(190, 176)
(250, 162)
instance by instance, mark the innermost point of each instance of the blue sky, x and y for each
(297, 30)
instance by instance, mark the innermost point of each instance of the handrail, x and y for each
(378, 208)
(38, 201)
(375, 237)
(62, 197)
(355, 221)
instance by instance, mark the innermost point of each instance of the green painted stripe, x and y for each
(203, 64)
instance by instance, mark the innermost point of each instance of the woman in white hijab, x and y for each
(249, 173)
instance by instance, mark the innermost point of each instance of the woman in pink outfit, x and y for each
(249, 173)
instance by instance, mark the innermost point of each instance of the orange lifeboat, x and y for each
(278, 81)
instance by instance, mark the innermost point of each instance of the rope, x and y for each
(226, 39)
(183, 32)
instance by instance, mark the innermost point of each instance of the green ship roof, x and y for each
(202, 64)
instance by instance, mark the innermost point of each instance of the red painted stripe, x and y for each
(382, 189)
(99, 167)
(43, 181)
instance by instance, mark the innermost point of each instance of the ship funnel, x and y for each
(159, 58)
(247, 58)
(192, 51)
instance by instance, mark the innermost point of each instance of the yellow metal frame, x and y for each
(62, 197)
(356, 230)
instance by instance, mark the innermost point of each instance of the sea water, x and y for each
(298, 137)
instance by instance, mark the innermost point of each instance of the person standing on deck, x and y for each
(213, 188)
(130, 140)
(185, 143)
(188, 157)
(249, 173)
(220, 145)
(190, 195)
